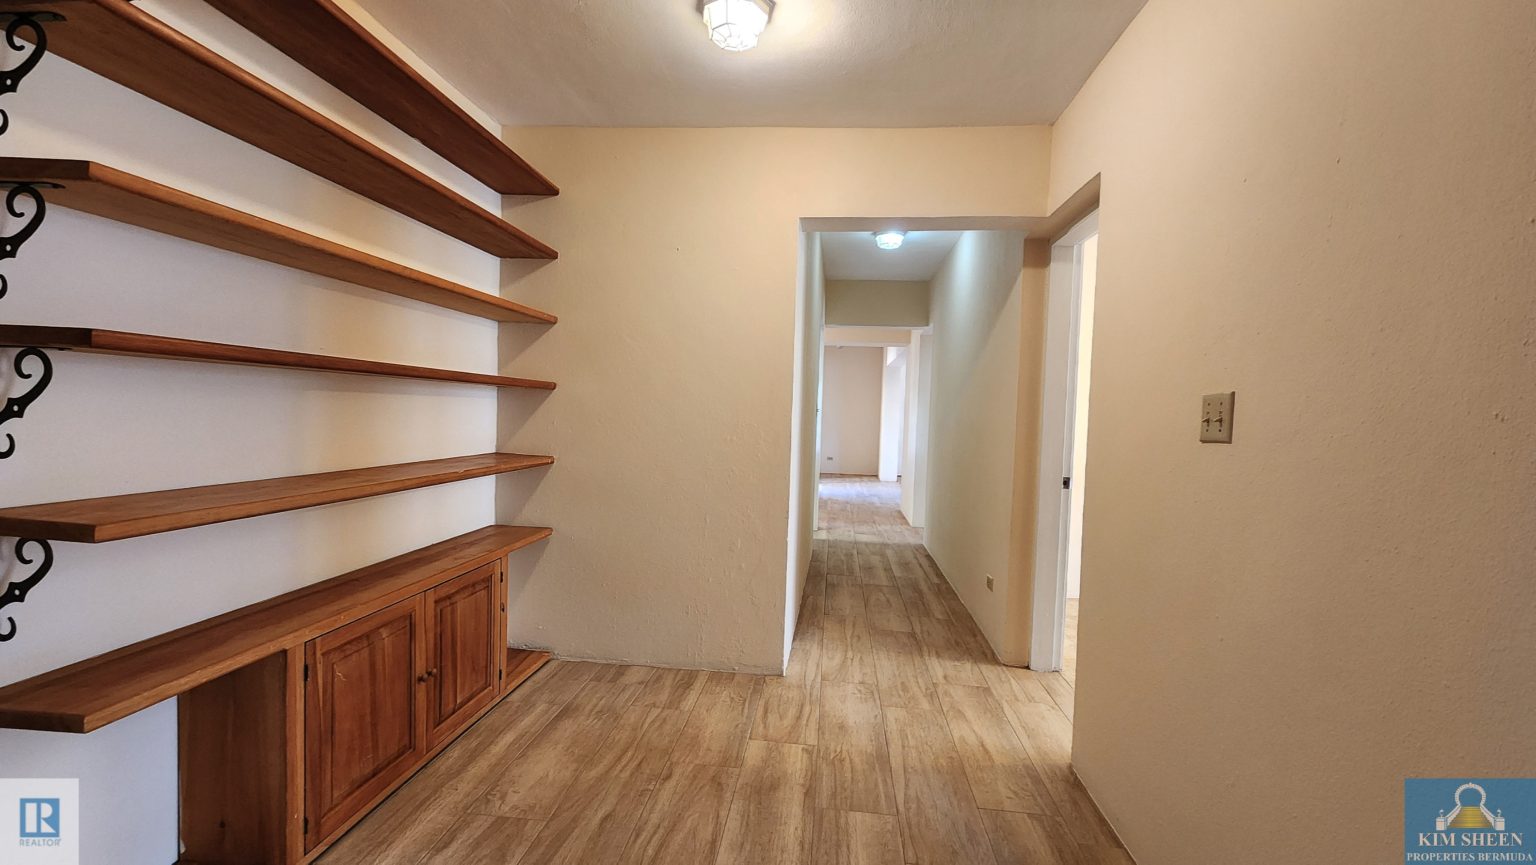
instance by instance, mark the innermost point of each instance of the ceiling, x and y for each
(834, 63)
(854, 255)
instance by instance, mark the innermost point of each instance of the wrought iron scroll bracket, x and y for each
(31, 190)
(15, 23)
(17, 591)
(16, 406)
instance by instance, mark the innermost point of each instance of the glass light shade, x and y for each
(890, 239)
(735, 24)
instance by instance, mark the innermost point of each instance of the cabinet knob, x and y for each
(422, 678)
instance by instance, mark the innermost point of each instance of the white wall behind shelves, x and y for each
(116, 425)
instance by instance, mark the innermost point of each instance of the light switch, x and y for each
(1216, 417)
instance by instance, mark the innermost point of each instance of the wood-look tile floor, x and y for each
(895, 737)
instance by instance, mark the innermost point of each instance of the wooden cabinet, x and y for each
(299, 714)
(464, 619)
(365, 727)
(384, 691)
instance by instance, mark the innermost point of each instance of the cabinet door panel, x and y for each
(364, 725)
(463, 615)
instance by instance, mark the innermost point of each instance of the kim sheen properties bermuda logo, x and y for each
(40, 821)
(1469, 820)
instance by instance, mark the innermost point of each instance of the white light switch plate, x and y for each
(1216, 417)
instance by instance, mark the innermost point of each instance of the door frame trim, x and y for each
(1057, 409)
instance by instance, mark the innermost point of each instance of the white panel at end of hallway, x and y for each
(914, 447)
(893, 409)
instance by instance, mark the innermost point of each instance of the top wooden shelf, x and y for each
(115, 518)
(90, 694)
(332, 44)
(117, 40)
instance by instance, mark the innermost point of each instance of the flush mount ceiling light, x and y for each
(735, 24)
(889, 239)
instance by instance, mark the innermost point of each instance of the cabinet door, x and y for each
(464, 636)
(364, 727)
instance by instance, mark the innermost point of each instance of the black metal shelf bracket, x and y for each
(10, 245)
(15, 23)
(17, 591)
(16, 406)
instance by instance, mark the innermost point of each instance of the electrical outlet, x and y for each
(989, 582)
(1216, 415)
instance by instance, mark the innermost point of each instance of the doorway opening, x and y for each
(1063, 492)
(876, 307)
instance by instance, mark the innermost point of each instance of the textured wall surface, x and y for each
(978, 314)
(1329, 208)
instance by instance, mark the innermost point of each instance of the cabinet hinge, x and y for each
(306, 825)
(306, 677)
(1066, 483)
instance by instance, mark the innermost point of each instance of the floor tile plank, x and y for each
(885, 610)
(847, 650)
(1032, 838)
(1047, 736)
(902, 672)
(844, 597)
(950, 661)
(787, 712)
(940, 822)
(671, 689)
(771, 820)
(853, 767)
(721, 720)
(531, 784)
(999, 768)
(601, 806)
(852, 838)
(685, 818)
(480, 840)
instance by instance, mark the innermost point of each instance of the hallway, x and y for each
(894, 737)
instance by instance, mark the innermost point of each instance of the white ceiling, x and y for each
(854, 255)
(820, 63)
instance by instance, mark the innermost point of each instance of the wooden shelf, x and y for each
(90, 694)
(114, 518)
(95, 188)
(117, 40)
(332, 44)
(97, 341)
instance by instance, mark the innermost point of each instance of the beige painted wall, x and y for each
(877, 303)
(852, 380)
(980, 309)
(868, 336)
(672, 493)
(1327, 207)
